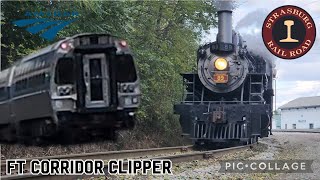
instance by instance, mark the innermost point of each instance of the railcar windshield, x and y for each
(126, 71)
(64, 71)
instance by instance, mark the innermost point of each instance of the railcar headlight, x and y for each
(221, 64)
(131, 88)
(67, 45)
(127, 88)
(127, 101)
(64, 90)
(124, 88)
(135, 100)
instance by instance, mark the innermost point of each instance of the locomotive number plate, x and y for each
(220, 78)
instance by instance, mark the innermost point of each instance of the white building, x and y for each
(276, 120)
(301, 113)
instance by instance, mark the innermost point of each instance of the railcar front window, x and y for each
(96, 80)
(64, 71)
(126, 71)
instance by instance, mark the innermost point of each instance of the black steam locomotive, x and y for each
(80, 87)
(229, 99)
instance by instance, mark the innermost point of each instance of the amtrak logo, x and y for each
(47, 28)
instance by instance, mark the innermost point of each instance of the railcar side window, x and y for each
(21, 85)
(126, 71)
(3, 93)
(36, 81)
(64, 71)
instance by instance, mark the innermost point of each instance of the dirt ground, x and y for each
(279, 146)
(130, 139)
(304, 146)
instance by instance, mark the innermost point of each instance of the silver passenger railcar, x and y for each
(80, 87)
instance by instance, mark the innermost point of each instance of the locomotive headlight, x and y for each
(221, 64)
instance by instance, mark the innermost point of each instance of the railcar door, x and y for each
(96, 79)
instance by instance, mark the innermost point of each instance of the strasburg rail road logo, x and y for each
(289, 32)
(48, 28)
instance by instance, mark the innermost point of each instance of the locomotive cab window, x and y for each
(64, 71)
(126, 71)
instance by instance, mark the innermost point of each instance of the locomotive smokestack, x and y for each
(224, 20)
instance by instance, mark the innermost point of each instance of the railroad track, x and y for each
(188, 154)
(297, 130)
(137, 153)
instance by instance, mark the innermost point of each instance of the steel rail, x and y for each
(297, 130)
(110, 155)
(185, 157)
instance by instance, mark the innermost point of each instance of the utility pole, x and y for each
(275, 93)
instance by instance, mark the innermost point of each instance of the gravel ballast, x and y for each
(279, 146)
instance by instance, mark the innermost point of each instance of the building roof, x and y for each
(302, 102)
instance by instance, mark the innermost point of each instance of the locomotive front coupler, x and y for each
(218, 116)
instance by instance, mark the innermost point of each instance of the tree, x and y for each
(164, 36)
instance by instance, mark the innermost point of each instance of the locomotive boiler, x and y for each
(81, 87)
(229, 99)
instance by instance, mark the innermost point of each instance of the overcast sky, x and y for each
(295, 78)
